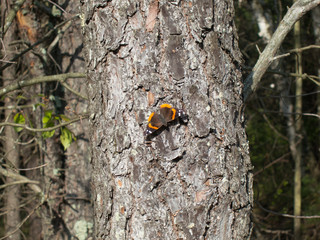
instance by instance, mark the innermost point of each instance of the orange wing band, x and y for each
(151, 115)
(165, 105)
(153, 127)
(173, 113)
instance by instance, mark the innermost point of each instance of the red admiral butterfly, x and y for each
(167, 114)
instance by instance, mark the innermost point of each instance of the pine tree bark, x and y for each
(193, 181)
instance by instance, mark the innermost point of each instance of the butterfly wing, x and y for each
(167, 112)
(154, 123)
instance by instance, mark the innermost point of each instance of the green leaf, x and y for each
(37, 105)
(48, 134)
(279, 191)
(19, 118)
(47, 116)
(48, 121)
(65, 137)
(64, 118)
(22, 97)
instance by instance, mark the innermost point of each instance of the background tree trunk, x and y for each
(10, 143)
(77, 209)
(193, 181)
(36, 63)
(298, 137)
(68, 173)
(314, 163)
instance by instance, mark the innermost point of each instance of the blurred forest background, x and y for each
(283, 121)
(45, 163)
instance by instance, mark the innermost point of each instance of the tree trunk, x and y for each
(33, 64)
(10, 145)
(298, 138)
(78, 210)
(193, 181)
(315, 164)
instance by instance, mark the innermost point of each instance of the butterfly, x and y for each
(166, 115)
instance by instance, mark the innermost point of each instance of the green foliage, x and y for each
(38, 105)
(64, 118)
(20, 119)
(273, 181)
(66, 137)
(48, 121)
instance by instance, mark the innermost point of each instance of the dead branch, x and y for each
(298, 9)
(24, 83)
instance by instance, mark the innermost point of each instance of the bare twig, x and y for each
(23, 221)
(11, 15)
(43, 129)
(273, 127)
(292, 113)
(311, 115)
(38, 42)
(73, 91)
(3, 46)
(296, 50)
(33, 168)
(280, 56)
(303, 75)
(272, 163)
(18, 182)
(17, 107)
(287, 232)
(24, 83)
(32, 184)
(58, 6)
(286, 215)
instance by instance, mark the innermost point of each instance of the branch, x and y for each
(286, 215)
(17, 107)
(33, 168)
(32, 184)
(297, 50)
(272, 163)
(73, 91)
(48, 34)
(23, 221)
(19, 182)
(287, 232)
(43, 129)
(298, 9)
(293, 113)
(24, 83)
(11, 16)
